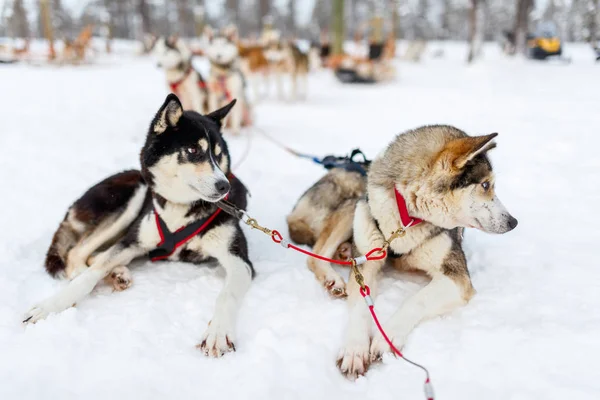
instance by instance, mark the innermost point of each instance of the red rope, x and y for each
(366, 293)
(277, 238)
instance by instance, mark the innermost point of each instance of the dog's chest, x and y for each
(175, 218)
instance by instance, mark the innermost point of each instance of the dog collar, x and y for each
(405, 217)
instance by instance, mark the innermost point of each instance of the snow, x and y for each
(530, 333)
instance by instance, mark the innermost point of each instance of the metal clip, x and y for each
(360, 279)
(254, 224)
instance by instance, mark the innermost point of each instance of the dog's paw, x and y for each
(335, 286)
(41, 311)
(216, 342)
(354, 361)
(344, 251)
(120, 278)
(379, 347)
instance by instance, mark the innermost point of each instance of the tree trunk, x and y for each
(395, 19)
(264, 8)
(19, 22)
(144, 12)
(522, 25)
(233, 11)
(476, 31)
(594, 11)
(48, 29)
(292, 17)
(338, 27)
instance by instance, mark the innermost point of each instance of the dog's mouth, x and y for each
(477, 225)
(211, 198)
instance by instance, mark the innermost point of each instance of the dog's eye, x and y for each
(485, 186)
(192, 150)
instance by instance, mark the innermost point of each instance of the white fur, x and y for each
(216, 243)
(185, 183)
(222, 51)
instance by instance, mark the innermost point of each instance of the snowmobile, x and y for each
(544, 43)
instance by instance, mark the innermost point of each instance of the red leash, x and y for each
(366, 294)
(377, 253)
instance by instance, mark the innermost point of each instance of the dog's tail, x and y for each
(65, 238)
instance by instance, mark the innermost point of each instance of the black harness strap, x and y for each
(170, 241)
(348, 163)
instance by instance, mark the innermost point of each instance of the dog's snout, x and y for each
(222, 187)
(512, 222)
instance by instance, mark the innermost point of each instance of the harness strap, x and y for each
(175, 85)
(170, 241)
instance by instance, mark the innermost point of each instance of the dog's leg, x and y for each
(220, 335)
(354, 358)
(82, 285)
(337, 230)
(213, 100)
(235, 118)
(279, 82)
(294, 76)
(449, 288)
(106, 232)
(196, 97)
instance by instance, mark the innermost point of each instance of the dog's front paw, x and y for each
(216, 342)
(120, 279)
(353, 361)
(41, 311)
(335, 286)
(344, 251)
(379, 346)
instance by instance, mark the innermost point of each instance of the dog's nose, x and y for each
(222, 187)
(512, 222)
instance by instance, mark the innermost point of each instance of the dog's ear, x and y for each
(460, 151)
(221, 113)
(209, 33)
(168, 115)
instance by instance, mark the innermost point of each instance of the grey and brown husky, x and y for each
(169, 211)
(435, 178)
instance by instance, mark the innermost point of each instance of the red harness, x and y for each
(223, 83)
(175, 85)
(405, 218)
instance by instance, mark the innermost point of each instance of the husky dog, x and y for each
(168, 210)
(226, 80)
(437, 180)
(175, 57)
(299, 67)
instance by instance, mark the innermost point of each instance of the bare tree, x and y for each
(476, 24)
(395, 19)
(233, 11)
(264, 8)
(292, 17)
(524, 7)
(48, 28)
(144, 12)
(19, 25)
(337, 26)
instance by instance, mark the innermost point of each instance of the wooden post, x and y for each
(338, 27)
(48, 29)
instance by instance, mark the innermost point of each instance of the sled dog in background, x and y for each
(175, 57)
(226, 80)
(169, 210)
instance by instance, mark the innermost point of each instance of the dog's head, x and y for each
(459, 190)
(185, 158)
(222, 47)
(171, 53)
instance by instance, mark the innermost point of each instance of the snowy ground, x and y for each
(530, 333)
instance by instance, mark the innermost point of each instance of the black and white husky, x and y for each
(168, 210)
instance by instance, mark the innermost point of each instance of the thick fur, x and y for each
(184, 162)
(175, 57)
(447, 180)
(226, 80)
(322, 218)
